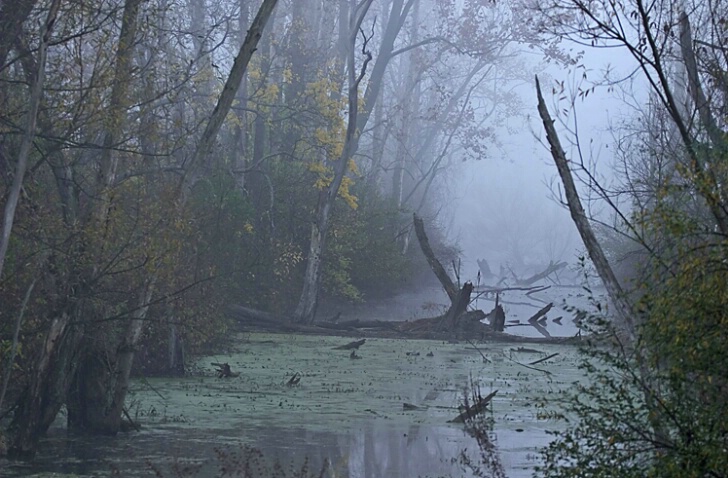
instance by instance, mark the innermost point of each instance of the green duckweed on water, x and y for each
(347, 412)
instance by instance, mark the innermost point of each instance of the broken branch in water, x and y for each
(543, 359)
(527, 366)
(537, 317)
(294, 380)
(134, 424)
(474, 409)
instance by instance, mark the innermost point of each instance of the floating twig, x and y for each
(485, 359)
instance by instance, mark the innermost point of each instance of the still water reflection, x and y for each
(366, 451)
(372, 449)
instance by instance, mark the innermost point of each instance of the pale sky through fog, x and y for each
(509, 191)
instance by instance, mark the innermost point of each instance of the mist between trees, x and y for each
(163, 160)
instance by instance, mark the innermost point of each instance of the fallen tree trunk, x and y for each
(470, 326)
(358, 324)
(537, 316)
(264, 320)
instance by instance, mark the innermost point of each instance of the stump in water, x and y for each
(497, 318)
(459, 299)
(451, 320)
(224, 370)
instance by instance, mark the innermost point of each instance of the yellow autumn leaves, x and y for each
(325, 174)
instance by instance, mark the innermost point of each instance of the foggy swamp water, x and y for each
(347, 411)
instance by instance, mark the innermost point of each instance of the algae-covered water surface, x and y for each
(349, 411)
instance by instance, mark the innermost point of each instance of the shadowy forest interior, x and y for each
(178, 176)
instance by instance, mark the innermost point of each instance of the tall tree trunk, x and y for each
(118, 104)
(409, 107)
(257, 169)
(578, 215)
(714, 191)
(36, 92)
(48, 387)
(396, 20)
(63, 174)
(225, 101)
(624, 311)
(241, 135)
(13, 14)
(10, 363)
(96, 399)
(95, 357)
(96, 402)
(306, 308)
